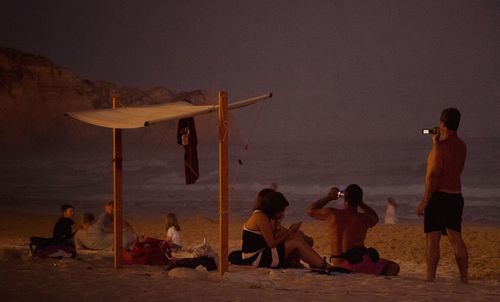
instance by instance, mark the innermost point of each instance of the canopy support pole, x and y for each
(117, 191)
(223, 183)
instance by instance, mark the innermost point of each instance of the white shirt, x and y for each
(390, 214)
(174, 236)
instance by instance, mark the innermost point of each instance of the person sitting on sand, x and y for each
(89, 237)
(63, 229)
(100, 235)
(262, 247)
(105, 221)
(173, 235)
(62, 233)
(278, 228)
(348, 229)
(390, 212)
(88, 221)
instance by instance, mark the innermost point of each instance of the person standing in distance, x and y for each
(442, 204)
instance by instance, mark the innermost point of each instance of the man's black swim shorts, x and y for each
(444, 211)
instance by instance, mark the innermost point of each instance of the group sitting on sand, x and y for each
(266, 243)
(99, 235)
(93, 235)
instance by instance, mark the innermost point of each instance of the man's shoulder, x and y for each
(454, 141)
(334, 211)
(340, 213)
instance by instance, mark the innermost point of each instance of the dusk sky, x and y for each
(337, 68)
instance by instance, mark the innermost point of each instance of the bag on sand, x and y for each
(206, 261)
(150, 251)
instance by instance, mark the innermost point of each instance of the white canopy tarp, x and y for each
(137, 117)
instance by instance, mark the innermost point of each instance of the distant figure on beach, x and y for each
(263, 247)
(274, 186)
(390, 212)
(442, 204)
(173, 235)
(348, 228)
(62, 233)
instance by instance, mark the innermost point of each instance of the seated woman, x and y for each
(294, 260)
(264, 247)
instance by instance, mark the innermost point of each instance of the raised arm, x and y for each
(372, 217)
(317, 210)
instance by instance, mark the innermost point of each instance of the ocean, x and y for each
(304, 171)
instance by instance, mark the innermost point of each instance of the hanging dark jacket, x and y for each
(186, 136)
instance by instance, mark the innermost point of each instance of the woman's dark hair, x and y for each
(172, 221)
(272, 203)
(353, 195)
(261, 196)
(451, 118)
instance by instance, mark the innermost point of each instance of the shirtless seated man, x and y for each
(348, 229)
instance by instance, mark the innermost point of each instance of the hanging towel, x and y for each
(186, 136)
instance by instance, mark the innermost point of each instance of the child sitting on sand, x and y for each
(173, 235)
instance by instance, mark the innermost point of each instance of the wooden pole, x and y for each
(223, 183)
(117, 191)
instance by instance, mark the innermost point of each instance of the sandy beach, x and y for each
(91, 277)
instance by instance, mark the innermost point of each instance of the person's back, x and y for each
(347, 229)
(173, 235)
(454, 152)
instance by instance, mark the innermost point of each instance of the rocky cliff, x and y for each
(35, 93)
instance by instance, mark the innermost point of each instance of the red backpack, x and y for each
(150, 251)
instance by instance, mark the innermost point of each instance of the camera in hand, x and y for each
(434, 130)
(340, 194)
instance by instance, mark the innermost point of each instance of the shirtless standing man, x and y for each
(442, 204)
(348, 229)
